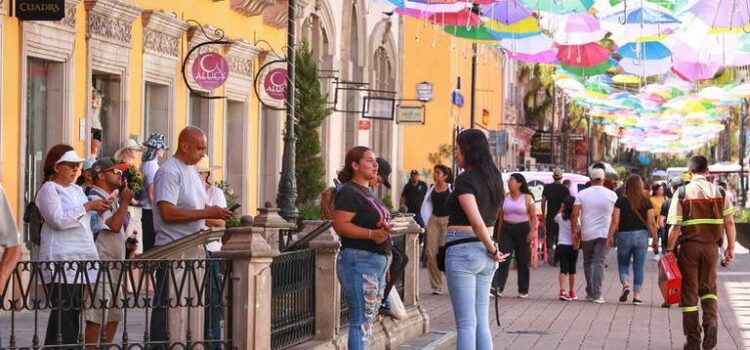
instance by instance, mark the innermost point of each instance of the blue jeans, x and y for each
(362, 277)
(632, 244)
(469, 271)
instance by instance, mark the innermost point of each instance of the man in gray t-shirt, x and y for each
(8, 240)
(179, 193)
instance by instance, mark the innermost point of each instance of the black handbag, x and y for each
(441, 252)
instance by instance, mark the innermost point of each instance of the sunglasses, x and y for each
(71, 165)
(114, 170)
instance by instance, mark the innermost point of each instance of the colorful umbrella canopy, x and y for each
(642, 22)
(723, 14)
(506, 11)
(587, 55)
(578, 29)
(461, 18)
(667, 4)
(528, 45)
(473, 33)
(523, 28)
(693, 63)
(587, 71)
(549, 56)
(645, 58)
(435, 6)
(559, 6)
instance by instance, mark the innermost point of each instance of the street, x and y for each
(544, 322)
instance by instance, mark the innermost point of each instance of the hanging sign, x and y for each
(424, 92)
(270, 85)
(379, 108)
(40, 10)
(210, 70)
(411, 114)
(274, 84)
(457, 99)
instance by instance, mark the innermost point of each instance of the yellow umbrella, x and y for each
(524, 26)
(626, 79)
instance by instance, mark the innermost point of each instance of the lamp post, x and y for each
(287, 196)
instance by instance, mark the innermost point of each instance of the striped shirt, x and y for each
(701, 212)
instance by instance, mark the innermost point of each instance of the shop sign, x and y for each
(364, 125)
(274, 84)
(424, 92)
(457, 99)
(270, 85)
(411, 114)
(40, 10)
(210, 70)
(541, 146)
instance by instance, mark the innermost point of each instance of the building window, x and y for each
(235, 152)
(156, 110)
(200, 114)
(106, 112)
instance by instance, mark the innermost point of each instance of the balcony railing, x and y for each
(293, 298)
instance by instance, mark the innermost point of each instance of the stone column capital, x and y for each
(247, 243)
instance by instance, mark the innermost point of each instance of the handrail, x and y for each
(304, 242)
(199, 238)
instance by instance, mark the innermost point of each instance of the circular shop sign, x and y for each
(274, 84)
(210, 70)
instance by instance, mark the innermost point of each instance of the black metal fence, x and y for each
(293, 298)
(61, 304)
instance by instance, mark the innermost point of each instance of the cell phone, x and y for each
(235, 207)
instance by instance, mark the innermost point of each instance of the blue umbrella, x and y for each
(642, 15)
(649, 50)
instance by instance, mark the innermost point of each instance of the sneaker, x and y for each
(624, 295)
(437, 291)
(637, 301)
(709, 337)
(599, 300)
(656, 257)
(523, 295)
(572, 295)
(564, 296)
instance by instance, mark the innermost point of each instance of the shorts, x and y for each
(102, 309)
(568, 258)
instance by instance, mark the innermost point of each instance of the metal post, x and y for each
(473, 81)
(552, 141)
(590, 143)
(743, 142)
(287, 197)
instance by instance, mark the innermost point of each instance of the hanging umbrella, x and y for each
(528, 45)
(413, 13)
(626, 79)
(506, 11)
(559, 6)
(646, 58)
(587, 55)
(578, 29)
(659, 173)
(544, 57)
(588, 71)
(694, 63)
(723, 14)
(521, 29)
(461, 18)
(667, 4)
(642, 22)
(434, 6)
(473, 33)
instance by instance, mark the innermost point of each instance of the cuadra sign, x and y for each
(40, 10)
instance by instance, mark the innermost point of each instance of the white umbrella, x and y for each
(659, 173)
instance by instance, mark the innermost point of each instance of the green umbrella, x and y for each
(559, 6)
(667, 4)
(587, 71)
(474, 33)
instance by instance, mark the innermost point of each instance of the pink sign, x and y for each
(210, 70)
(275, 84)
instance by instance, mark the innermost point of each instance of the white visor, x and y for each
(70, 157)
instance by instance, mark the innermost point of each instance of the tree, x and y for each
(311, 110)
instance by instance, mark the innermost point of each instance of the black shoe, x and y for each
(710, 336)
(665, 305)
(624, 295)
(637, 301)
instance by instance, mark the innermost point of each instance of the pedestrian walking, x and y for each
(658, 197)
(66, 239)
(435, 212)
(517, 231)
(633, 221)
(180, 211)
(471, 255)
(109, 234)
(8, 240)
(566, 252)
(552, 198)
(413, 195)
(364, 224)
(156, 147)
(594, 207)
(699, 215)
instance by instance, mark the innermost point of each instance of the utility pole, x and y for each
(743, 143)
(287, 197)
(473, 82)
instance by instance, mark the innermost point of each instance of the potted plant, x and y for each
(742, 225)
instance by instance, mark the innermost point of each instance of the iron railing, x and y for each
(399, 241)
(293, 298)
(61, 296)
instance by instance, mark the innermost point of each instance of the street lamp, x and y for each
(287, 196)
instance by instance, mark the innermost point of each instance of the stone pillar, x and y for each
(327, 290)
(411, 275)
(251, 257)
(271, 222)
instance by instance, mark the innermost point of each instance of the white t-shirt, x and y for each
(597, 204)
(149, 170)
(8, 230)
(179, 184)
(565, 234)
(215, 197)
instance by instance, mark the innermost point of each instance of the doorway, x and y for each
(156, 110)
(235, 152)
(270, 155)
(108, 113)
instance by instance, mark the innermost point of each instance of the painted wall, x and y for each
(431, 55)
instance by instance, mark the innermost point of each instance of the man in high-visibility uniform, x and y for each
(699, 217)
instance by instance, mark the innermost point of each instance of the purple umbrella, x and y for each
(695, 62)
(549, 56)
(723, 14)
(506, 11)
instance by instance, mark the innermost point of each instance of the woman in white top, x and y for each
(567, 249)
(435, 213)
(66, 239)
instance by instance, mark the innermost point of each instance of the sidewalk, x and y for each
(544, 322)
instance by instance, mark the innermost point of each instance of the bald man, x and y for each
(180, 211)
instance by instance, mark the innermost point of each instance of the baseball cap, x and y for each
(70, 157)
(557, 173)
(106, 163)
(384, 171)
(596, 174)
(127, 144)
(676, 181)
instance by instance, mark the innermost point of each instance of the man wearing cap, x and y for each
(552, 198)
(109, 229)
(594, 207)
(413, 194)
(156, 146)
(699, 215)
(180, 210)
(8, 240)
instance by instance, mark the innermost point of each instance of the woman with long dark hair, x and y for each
(435, 214)
(567, 251)
(471, 255)
(517, 231)
(364, 224)
(633, 220)
(66, 239)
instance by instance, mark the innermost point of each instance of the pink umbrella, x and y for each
(578, 29)
(695, 63)
(414, 13)
(549, 56)
(461, 18)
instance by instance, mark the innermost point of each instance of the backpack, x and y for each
(328, 202)
(33, 218)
